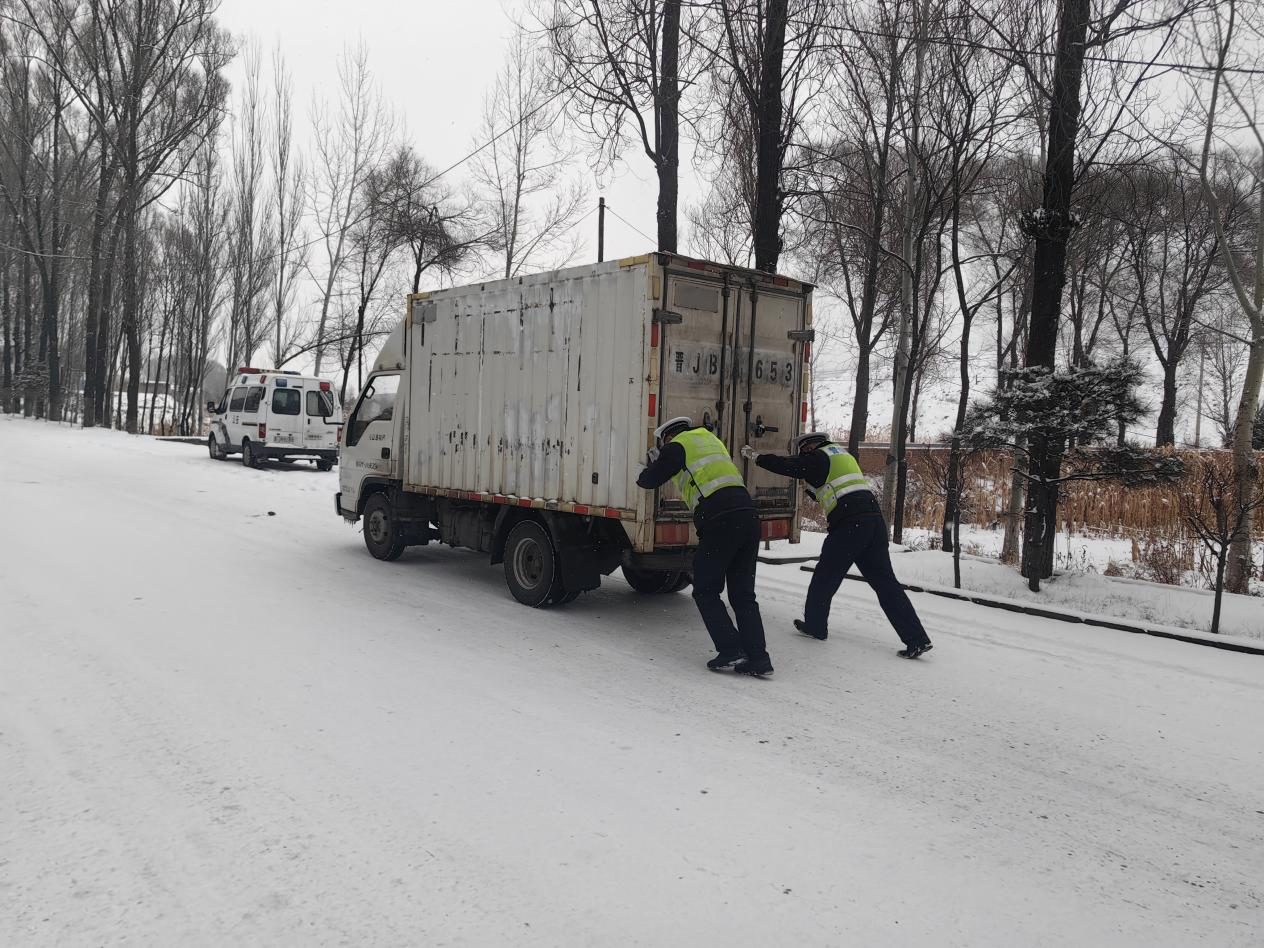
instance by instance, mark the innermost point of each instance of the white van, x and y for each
(279, 416)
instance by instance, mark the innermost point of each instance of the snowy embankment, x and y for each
(224, 727)
(1130, 600)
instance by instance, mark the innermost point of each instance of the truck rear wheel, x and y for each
(655, 580)
(382, 534)
(531, 564)
(247, 454)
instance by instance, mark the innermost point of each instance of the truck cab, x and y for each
(266, 414)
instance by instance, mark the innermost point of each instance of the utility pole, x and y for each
(601, 229)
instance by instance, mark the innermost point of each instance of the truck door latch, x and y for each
(386, 454)
(760, 428)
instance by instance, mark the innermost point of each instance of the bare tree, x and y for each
(149, 75)
(1230, 39)
(348, 146)
(287, 209)
(252, 241)
(1175, 263)
(1216, 511)
(768, 58)
(624, 64)
(529, 202)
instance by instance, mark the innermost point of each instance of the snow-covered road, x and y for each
(223, 727)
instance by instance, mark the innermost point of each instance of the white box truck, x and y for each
(512, 417)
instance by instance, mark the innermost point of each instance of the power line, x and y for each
(629, 223)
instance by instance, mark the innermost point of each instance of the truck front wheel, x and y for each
(530, 564)
(382, 534)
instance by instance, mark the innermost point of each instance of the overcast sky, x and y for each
(434, 60)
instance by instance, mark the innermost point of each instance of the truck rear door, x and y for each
(732, 351)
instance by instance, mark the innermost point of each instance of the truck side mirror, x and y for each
(210, 406)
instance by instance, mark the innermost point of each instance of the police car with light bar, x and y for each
(271, 415)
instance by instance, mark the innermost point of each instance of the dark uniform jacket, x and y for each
(814, 468)
(670, 462)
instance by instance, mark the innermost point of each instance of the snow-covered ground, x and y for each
(223, 727)
(1088, 593)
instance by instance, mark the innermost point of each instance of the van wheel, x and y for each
(382, 534)
(247, 454)
(652, 580)
(324, 465)
(213, 447)
(530, 564)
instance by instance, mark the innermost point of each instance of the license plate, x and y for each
(285, 438)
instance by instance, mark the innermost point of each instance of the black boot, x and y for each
(725, 659)
(915, 651)
(757, 667)
(803, 627)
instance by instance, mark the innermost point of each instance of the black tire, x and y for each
(324, 465)
(382, 534)
(682, 583)
(531, 564)
(213, 447)
(561, 597)
(247, 454)
(651, 580)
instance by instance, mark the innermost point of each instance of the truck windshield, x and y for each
(376, 404)
(287, 401)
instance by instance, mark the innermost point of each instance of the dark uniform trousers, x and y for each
(861, 538)
(728, 546)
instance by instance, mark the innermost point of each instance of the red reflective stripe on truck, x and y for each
(654, 336)
(524, 501)
(671, 534)
(581, 509)
(804, 419)
(774, 529)
(653, 412)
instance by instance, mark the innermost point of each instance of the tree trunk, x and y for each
(6, 316)
(668, 164)
(952, 502)
(1165, 432)
(768, 147)
(1052, 232)
(1013, 513)
(956, 548)
(1221, 557)
(131, 306)
(860, 402)
(105, 331)
(1245, 469)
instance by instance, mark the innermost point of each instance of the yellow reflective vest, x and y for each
(708, 466)
(844, 478)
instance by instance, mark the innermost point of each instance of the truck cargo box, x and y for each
(543, 391)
